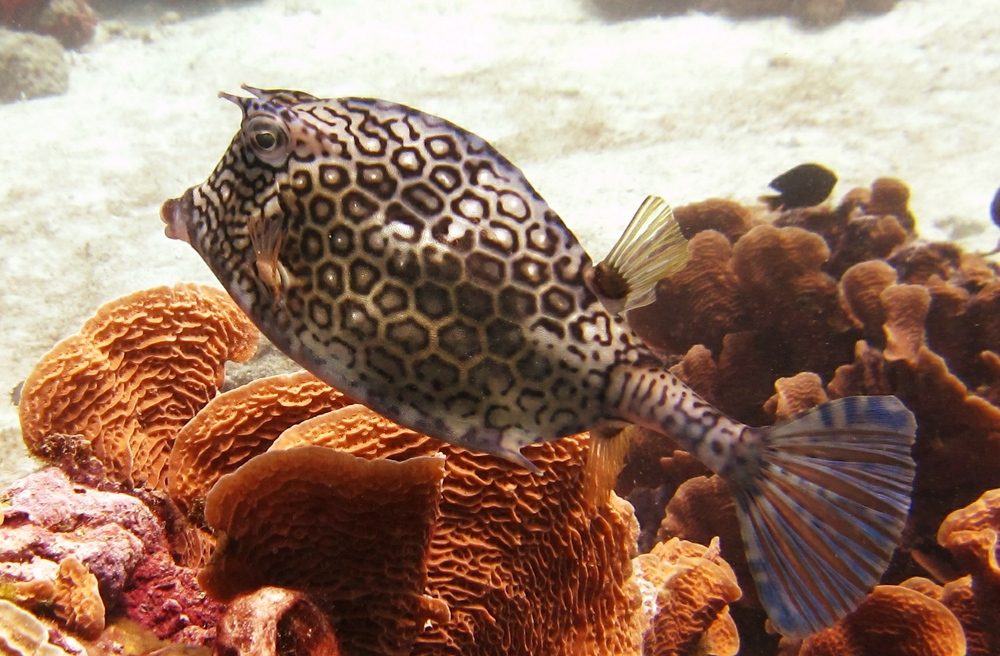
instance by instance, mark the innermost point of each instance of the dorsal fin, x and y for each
(651, 248)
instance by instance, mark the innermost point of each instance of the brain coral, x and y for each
(134, 375)
(285, 516)
(518, 564)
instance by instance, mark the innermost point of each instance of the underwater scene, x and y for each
(541, 327)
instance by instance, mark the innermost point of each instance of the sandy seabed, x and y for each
(597, 113)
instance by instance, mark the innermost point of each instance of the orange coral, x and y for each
(526, 564)
(518, 563)
(891, 197)
(971, 534)
(288, 515)
(795, 394)
(780, 270)
(239, 424)
(918, 320)
(862, 286)
(703, 301)
(702, 509)
(957, 596)
(77, 599)
(137, 372)
(892, 620)
(906, 309)
(728, 217)
(693, 588)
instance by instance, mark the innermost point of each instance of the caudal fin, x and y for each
(823, 514)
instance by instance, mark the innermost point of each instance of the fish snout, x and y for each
(176, 213)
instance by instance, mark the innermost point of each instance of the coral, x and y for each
(31, 66)
(125, 637)
(499, 528)
(703, 509)
(892, 620)
(22, 634)
(728, 217)
(778, 310)
(77, 599)
(704, 298)
(970, 533)
(136, 372)
(238, 425)
(524, 564)
(834, 301)
(274, 621)
(689, 588)
(47, 520)
(286, 515)
(166, 598)
(794, 395)
(906, 309)
(80, 551)
(957, 596)
(72, 22)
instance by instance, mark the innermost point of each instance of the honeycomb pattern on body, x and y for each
(425, 276)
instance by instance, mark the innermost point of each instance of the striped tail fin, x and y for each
(823, 514)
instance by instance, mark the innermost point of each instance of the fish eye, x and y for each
(267, 139)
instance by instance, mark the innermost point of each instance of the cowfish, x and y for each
(406, 262)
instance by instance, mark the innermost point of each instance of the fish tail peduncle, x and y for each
(821, 498)
(656, 399)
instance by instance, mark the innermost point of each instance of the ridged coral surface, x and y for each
(351, 532)
(522, 563)
(134, 375)
(242, 423)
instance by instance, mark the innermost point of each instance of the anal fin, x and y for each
(605, 461)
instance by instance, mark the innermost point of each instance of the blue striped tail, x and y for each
(824, 511)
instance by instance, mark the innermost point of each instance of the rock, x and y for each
(31, 66)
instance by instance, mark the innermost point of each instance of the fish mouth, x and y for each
(176, 213)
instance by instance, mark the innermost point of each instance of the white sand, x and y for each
(597, 114)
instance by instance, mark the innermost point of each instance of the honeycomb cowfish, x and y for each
(403, 260)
